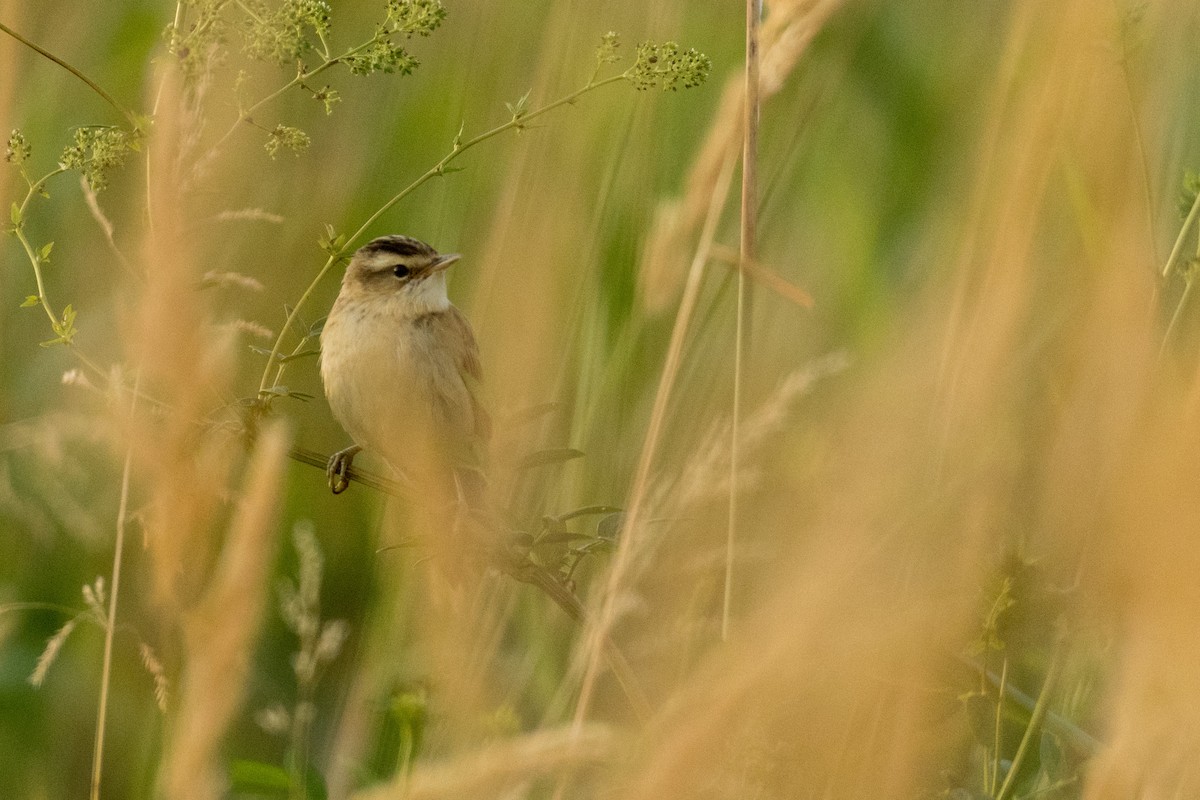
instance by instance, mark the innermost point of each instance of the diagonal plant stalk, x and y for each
(1181, 239)
(1189, 273)
(95, 87)
(518, 121)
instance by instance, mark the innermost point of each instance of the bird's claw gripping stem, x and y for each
(337, 471)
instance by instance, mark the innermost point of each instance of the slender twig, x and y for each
(95, 87)
(365, 477)
(749, 224)
(437, 170)
(111, 621)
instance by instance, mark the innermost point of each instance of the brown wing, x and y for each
(471, 371)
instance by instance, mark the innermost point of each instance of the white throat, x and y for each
(428, 295)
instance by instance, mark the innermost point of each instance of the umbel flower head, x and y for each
(668, 67)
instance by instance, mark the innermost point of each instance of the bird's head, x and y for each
(402, 269)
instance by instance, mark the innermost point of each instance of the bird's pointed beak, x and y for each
(443, 261)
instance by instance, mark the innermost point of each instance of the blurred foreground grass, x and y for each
(968, 469)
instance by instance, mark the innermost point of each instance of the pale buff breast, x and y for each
(390, 388)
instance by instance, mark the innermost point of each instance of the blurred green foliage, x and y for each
(860, 150)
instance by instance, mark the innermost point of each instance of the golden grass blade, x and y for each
(219, 643)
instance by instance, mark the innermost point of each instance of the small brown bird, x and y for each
(401, 371)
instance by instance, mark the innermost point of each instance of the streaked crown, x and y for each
(402, 268)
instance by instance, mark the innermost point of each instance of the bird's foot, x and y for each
(337, 471)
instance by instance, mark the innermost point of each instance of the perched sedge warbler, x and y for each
(401, 370)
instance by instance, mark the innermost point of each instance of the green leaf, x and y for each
(31, 300)
(521, 107)
(552, 456)
(534, 413)
(610, 527)
(14, 213)
(586, 511)
(293, 356)
(255, 777)
(596, 546)
(560, 538)
(44, 253)
(283, 391)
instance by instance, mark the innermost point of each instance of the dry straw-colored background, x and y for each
(967, 542)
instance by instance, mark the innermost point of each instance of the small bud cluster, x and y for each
(281, 35)
(96, 150)
(383, 55)
(198, 45)
(606, 53)
(285, 137)
(668, 67)
(407, 18)
(419, 17)
(18, 150)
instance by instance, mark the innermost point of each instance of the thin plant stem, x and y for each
(437, 170)
(95, 87)
(1138, 139)
(749, 224)
(1175, 317)
(110, 623)
(1180, 240)
(36, 263)
(1189, 284)
(995, 776)
(34, 188)
(1035, 723)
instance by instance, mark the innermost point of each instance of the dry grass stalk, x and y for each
(185, 362)
(218, 644)
(785, 36)
(504, 767)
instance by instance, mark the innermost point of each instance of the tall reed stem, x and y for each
(745, 256)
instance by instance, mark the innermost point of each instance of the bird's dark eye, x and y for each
(401, 271)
